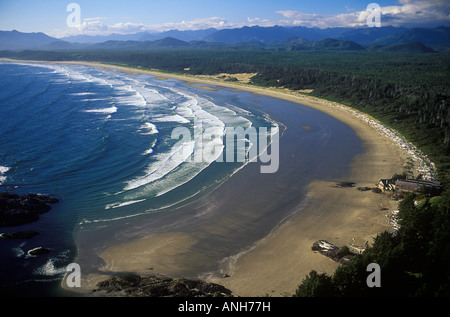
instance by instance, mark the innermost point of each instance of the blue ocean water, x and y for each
(101, 141)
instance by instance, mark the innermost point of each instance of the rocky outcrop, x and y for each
(38, 251)
(134, 285)
(344, 184)
(341, 255)
(17, 210)
(18, 235)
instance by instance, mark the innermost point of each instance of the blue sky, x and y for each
(131, 16)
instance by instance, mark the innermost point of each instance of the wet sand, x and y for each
(278, 262)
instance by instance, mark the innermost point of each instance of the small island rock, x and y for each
(17, 210)
(38, 251)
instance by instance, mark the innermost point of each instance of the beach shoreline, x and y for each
(276, 264)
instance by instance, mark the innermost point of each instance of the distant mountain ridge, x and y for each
(15, 40)
(434, 36)
(276, 37)
(141, 36)
(388, 35)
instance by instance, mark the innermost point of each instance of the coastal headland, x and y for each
(276, 264)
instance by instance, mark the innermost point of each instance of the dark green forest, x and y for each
(407, 92)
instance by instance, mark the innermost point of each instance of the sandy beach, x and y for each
(342, 216)
(277, 264)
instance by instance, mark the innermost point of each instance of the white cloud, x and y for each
(415, 12)
(408, 13)
(95, 26)
(96, 19)
(197, 24)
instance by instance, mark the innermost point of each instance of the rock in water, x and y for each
(18, 235)
(17, 210)
(38, 251)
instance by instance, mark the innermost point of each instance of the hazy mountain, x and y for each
(368, 35)
(410, 47)
(141, 36)
(92, 39)
(383, 36)
(274, 33)
(250, 34)
(278, 33)
(333, 44)
(435, 36)
(169, 42)
(140, 45)
(15, 40)
(186, 36)
(276, 37)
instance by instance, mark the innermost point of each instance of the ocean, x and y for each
(116, 148)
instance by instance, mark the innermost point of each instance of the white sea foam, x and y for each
(178, 178)
(127, 203)
(188, 157)
(109, 110)
(96, 99)
(18, 251)
(149, 128)
(171, 118)
(150, 150)
(50, 269)
(166, 162)
(135, 99)
(87, 93)
(3, 170)
(147, 152)
(87, 221)
(151, 95)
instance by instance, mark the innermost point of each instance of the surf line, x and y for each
(242, 145)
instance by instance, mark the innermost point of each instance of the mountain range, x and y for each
(276, 37)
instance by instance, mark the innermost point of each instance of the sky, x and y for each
(103, 17)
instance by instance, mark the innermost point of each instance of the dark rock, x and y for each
(340, 255)
(363, 189)
(38, 251)
(133, 285)
(18, 235)
(344, 184)
(119, 282)
(17, 210)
